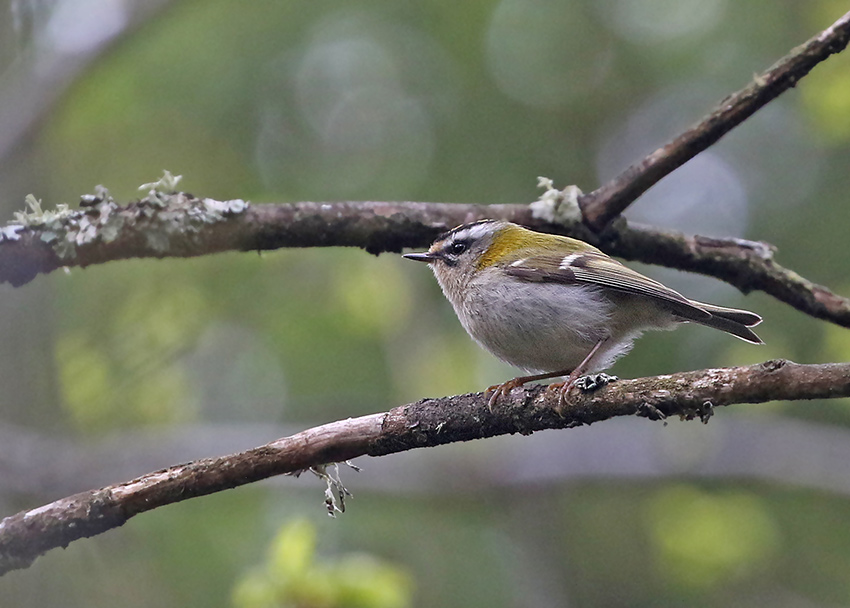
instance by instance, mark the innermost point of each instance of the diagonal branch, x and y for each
(183, 226)
(611, 199)
(748, 265)
(430, 422)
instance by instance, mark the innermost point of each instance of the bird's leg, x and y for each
(506, 387)
(564, 387)
(572, 376)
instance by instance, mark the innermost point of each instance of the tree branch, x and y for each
(748, 265)
(430, 422)
(183, 226)
(611, 199)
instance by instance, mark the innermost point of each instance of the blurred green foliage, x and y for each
(294, 577)
(429, 101)
(705, 539)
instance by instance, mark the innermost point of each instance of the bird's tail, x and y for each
(731, 320)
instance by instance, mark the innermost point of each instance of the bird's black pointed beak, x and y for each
(421, 257)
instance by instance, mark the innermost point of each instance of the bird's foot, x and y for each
(593, 382)
(585, 384)
(504, 388)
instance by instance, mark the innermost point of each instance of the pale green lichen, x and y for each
(224, 208)
(111, 229)
(556, 206)
(161, 217)
(165, 184)
(336, 493)
(37, 217)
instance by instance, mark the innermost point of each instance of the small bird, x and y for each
(556, 306)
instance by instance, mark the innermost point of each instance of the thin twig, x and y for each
(430, 422)
(611, 199)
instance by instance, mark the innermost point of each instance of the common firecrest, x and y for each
(556, 306)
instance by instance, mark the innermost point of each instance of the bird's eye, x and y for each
(457, 248)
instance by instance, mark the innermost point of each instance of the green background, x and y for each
(116, 370)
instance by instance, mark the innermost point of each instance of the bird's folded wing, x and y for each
(596, 268)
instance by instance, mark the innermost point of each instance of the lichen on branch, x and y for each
(163, 223)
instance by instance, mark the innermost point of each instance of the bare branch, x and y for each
(611, 199)
(430, 422)
(182, 226)
(748, 265)
(37, 467)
